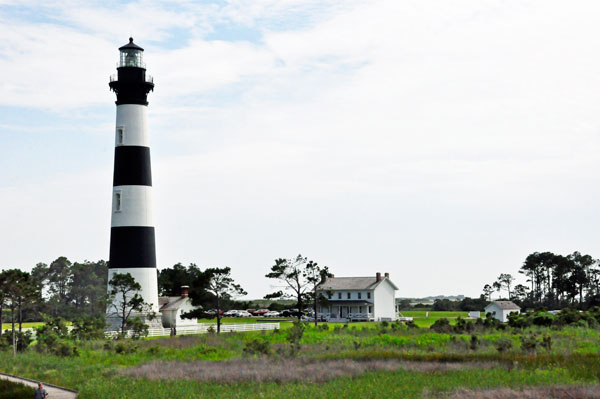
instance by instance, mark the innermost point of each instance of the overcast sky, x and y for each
(440, 141)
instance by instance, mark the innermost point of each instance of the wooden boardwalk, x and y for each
(54, 392)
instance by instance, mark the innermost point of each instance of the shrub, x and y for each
(442, 326)
(568, 316)
(52, 338)
(88, 328)
(138, 328)
(546, 342)
(543, 319)
(154, 350)
(503, 344)
(294, 335)
(474, 343)
(23, 340)
(257, 347)
(463, 325)
(528, 343)
(411, 324)
(125, 347)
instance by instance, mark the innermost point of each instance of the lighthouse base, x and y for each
(152, 320)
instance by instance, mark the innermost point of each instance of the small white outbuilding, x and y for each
(172, 307)
(501, 309)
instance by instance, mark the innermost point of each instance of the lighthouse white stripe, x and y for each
(146, 277)
(133, 120)
(135, 206)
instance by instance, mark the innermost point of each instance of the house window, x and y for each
(370, 309)
(360, 295)
(349, 295)
(120, 135)
(339, 295)
(329, 295)
(368, 295)
(118, 201)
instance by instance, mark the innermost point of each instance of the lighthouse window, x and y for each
(118, 202)
(131, 58)
(120, 135)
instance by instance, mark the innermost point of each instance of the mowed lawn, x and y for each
(427, 318)
(35, 324)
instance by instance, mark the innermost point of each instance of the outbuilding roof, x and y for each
(171, 302)
(505, 305)
(353, 283)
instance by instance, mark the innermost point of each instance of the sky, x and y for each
(439, 141)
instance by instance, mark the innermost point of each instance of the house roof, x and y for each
(171, 302)
(505, 305)
(353, 283)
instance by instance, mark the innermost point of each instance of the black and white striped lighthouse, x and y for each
(132, 246)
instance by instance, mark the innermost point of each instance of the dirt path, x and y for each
(54, 392)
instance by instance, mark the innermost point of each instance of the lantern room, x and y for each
(132, 55)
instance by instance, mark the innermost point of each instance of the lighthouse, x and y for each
(132, 244)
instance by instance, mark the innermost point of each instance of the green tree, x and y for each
(87, 288)
(580, 275)
(222, 286)
(298, 278)
(3, 296)
(59, 278)
(505, 281)
(487, 292)
(125, 300)
(20, 289)
(171, 279)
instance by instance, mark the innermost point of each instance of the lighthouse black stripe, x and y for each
(132, 166)
(132, 247)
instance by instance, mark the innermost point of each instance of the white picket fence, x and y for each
(203, 329)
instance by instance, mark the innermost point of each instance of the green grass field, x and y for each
(427, 318)
(99, 371)
(419, 316)
(7, 326)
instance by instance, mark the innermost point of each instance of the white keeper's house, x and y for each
(358, 298)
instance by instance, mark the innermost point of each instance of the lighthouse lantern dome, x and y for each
(131, 55)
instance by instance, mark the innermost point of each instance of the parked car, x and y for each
(310, 316)
(291, 313)
(243, 313)
(271, 313)
(260, 312)
(231, 313)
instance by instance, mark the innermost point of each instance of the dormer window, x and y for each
(339, 295)
(360, 295)
(349, 295)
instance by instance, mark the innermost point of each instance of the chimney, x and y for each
(387, 275)
(185, 290)
(378, 277)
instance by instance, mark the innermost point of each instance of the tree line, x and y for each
(552, 281)
(78, 290)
